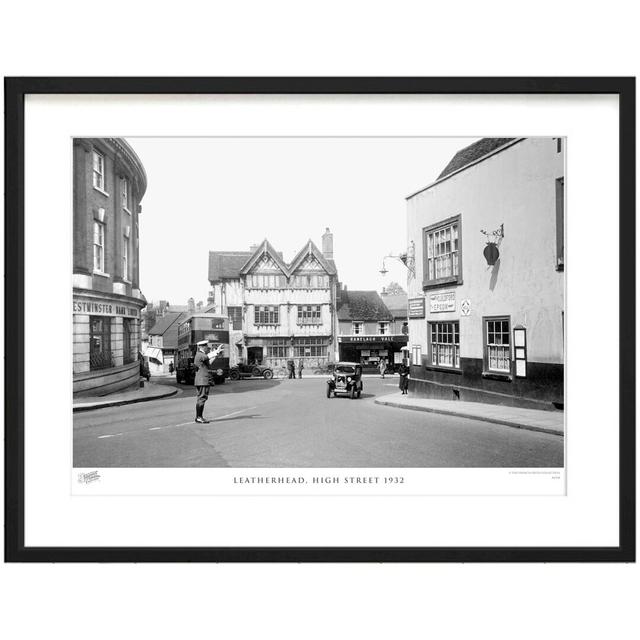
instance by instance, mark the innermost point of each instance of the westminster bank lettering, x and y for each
(104, 309)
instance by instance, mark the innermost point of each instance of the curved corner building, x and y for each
(109, 182)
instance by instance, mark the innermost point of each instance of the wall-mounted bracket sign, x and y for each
(416, 307)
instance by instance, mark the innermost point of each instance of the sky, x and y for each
(215, 194)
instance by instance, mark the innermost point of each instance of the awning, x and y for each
(155, 354)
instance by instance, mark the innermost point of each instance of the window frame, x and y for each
(487, 372)
(102, 226)
(105, 354)
(102, 174)
(387, 326)
(428, 283)
(309, 314)
(274, 310)
(430, 345)
(125, 258)
(360, 324)
(125, 194)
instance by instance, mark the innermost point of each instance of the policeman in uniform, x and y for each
(201, 361)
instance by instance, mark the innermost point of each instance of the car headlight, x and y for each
(219, 372)
(348, 379)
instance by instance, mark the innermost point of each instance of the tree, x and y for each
(394, 289)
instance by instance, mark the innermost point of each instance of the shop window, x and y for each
(278, 348)
(442, 253)
(560, 224)
(357, 328)
(98, 246)
(497, 345)
(383, 328)
(309, 314)
(444, 344)
(98, 171)
(266, 315)
(100, 356)
(127, 331)
(310, 348)
(235, 317)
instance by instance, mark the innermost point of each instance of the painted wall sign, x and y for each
(441, 302)
(364, 338)
(416, 307)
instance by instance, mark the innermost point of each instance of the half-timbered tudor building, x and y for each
(277, 310)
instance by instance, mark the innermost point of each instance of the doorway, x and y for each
(254, 355)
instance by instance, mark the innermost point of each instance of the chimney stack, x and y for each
(253, 247)
(327, 244)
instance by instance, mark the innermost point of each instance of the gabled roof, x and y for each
(167, 327)
(472, 153)
(224, 265)
(362, 305)
(264, 248)
(311, 249)
(397, 304)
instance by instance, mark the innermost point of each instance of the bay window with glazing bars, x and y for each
(266, 315)
(444, 344)
(443, 253)
(309, 314)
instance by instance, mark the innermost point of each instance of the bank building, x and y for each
(486, 297)
(277, 310)
(109, 182)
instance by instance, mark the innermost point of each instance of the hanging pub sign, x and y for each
(416, 307)
(441, 302)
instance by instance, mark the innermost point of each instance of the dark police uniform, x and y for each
(201, 362)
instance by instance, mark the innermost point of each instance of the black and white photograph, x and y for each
(318, 303)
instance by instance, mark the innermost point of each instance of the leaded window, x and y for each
(309, 314)
(266, 315)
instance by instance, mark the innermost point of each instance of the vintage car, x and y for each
(346, 378)
(250, 370)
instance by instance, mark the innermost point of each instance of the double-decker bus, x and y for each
(197, 327)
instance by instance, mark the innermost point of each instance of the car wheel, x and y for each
(352, 393)
(268, 374)
(255, 371)
(234, 375)
(359, 391)
(329, 391)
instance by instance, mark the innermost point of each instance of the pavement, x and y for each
(150, 391)
(531, 419)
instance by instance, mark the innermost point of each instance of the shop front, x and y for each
(106, 342)
(369, 350)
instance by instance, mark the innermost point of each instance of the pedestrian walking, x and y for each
(404, 379)
(291, 366)
(383, 367)
(201, 361)
(300, 367)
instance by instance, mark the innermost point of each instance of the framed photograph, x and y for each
(320, 319)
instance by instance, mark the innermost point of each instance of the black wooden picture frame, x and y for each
(16, 89)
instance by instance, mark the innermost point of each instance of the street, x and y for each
(291, 423)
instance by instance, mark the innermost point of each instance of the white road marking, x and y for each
(231, 414)
(183, 424)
